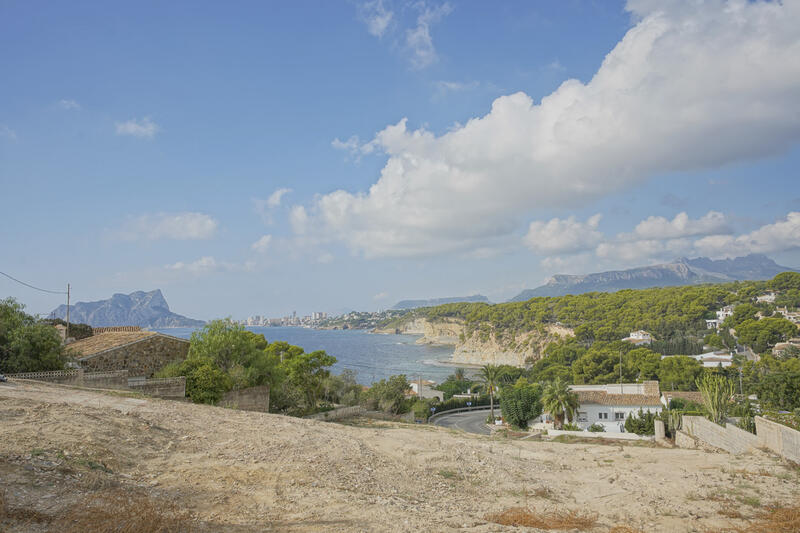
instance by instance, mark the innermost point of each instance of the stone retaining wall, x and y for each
(117, 379)
(729, 438)
(778, 438)
(339, 414)
(249, 399)
(160, 387)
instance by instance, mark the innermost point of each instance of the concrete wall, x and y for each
(143, 358)
(778, 438)
(729, 438)
(249, 399)
(339, 414)
(590, 435)
(98, 380)
(160, 387)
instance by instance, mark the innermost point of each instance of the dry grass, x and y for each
(124, 512)
(19, 515)
(625, 529)
(520, 516)
(771, 520)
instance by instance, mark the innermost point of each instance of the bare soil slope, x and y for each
(64, 449)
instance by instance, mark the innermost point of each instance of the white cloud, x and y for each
(444, 87)
(419, 40)
(7, 132)
(144, 128)
(68, 104)
(262, 244)
(201, 266)
(780, 236)
(274, 199)
(567, 243)
(690, 86)
(178, 226)
(354, 146)
(376, 16)
(654, 227)
(380, 296)
(298, 218)
(565, 236)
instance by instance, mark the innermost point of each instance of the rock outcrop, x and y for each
(482, 346)
(143, 309)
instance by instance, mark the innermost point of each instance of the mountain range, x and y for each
(144, 309)
(413, 304)
(682, 271)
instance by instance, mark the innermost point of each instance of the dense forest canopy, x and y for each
(669, 313)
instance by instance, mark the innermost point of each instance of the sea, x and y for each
(372, 356)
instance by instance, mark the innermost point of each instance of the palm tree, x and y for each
(459, 374)
(491, 376)
(559, 401)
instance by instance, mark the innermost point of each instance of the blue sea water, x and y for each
(372, 356)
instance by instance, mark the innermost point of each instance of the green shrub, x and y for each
(643, 424)
(520, 404)
(597, 428)
(569, 426)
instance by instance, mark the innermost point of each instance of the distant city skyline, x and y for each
(255, 158)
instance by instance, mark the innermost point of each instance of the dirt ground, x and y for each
(241, 471)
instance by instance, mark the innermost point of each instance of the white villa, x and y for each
(710, 359)
(609, 405)
(792, 316)
(768, 297)
(722, 314)
(639, 337)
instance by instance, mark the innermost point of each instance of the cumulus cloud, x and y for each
(262, 244)
(178, 226)
(376, 16)
(354, 146)
(419, 40)
(143, 128)
(563, 236)
(690, 86)
(712, 222)
(566, 243)
(780, 236)
(274, 199)
(68, 104)
(201, 266)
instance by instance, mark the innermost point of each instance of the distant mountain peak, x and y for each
(139, 308)
(682, 271)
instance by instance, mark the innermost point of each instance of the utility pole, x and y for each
(620, 371)
(66, 332)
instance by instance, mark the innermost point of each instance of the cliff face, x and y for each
(483, 347)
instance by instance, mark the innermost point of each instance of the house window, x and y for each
(619, 416)
(603, 416)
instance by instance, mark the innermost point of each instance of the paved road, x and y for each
(469, 421)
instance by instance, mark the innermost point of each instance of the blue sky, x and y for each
(263, 157)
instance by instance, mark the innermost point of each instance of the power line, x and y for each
(31, 286)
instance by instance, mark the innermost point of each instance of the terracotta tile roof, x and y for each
(692, 396)
(603, 398)
(105, 341)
